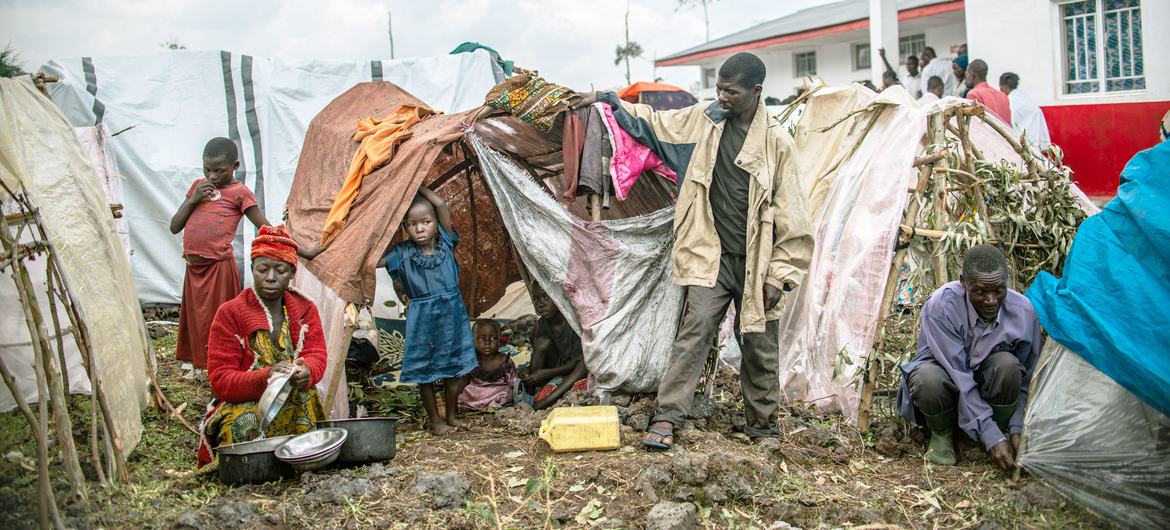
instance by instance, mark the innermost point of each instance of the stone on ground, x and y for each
(672, 516)
(447, 489)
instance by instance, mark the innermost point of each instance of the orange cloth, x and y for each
(379, 140)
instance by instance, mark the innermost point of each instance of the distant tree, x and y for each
(172, 44)
(706, 19)
(629, 50)
(10, 62)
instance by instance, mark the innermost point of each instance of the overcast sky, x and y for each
(570, 42)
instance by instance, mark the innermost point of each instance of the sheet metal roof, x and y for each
(804, 20)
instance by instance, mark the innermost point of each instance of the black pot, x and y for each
(369, 439)
(253, 462)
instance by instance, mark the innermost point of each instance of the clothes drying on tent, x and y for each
(660, 96)
(630, 158)
(532, 99)
(1106, 306)
(379, 139)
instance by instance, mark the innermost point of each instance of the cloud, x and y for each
(569, 42)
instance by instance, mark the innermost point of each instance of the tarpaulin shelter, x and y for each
(173, 101)
(439, 156)
(859, 154)
(42, 161)
(661, 96)
(1098, 427)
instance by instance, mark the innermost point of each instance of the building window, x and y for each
(806, 63)
(860, 56)
(708, 77)
(1102, 46)
(910, 45)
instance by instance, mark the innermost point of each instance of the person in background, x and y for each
(934, 90)
(1026, 115)
(490, 384)
(933, 65)
(263, 332)
(995, 101)
(558, 360)
(889, 76)
(977, 348)
(959, 70)
(208, 218)
(913, 78)
(438, 345)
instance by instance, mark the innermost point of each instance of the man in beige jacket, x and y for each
(742, 235)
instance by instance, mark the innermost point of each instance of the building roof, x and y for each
(804, 21)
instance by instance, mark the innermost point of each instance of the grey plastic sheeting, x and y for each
(39, 152)
(611, 279)
(1096, 443)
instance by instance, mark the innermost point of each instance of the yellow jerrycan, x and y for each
(568, 429)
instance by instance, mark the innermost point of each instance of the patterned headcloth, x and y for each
(274, 242)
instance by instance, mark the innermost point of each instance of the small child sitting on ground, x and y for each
(490, 384)
(438, 332)
(558, 362)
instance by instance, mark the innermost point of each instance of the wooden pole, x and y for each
(338, 363)
(46, 506)
(936, 128)
(48, 383)
(595, 207)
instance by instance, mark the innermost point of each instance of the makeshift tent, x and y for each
(436, 156)
(860, 153)
(176, 100)
(661, 96)
(1097, 428)
(58, 237)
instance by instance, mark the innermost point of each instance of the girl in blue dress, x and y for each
(438, 333)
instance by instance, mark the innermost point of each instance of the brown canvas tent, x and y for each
(435, 156)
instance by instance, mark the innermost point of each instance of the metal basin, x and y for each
(369, 440)
(312, 450)
(253, 462)
(273, 399)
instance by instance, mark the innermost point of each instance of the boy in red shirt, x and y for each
(208, 219)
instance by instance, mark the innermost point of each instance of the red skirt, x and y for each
(206, 286)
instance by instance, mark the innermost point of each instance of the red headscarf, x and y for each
(273, 242)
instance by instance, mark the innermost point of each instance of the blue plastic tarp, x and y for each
(1111, 305)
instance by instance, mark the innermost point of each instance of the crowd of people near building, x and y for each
(931, 78)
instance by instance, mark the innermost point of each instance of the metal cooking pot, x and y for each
(253, 462)
(369, 440)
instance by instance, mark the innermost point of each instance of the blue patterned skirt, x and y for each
(438, 339)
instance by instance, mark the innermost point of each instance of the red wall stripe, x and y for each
(1099, 139)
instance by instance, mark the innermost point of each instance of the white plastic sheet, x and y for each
(1095, 442)
(828, 325)
(610, 279)
(39, 152)
(176, 100)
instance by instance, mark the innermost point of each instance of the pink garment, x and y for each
(630, 158)
(491, 392)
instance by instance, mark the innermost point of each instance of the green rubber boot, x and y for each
(942, 445)
(1002, 414)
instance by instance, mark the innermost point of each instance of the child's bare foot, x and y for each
(439, 428)
(454, 423)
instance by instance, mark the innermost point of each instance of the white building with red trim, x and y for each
(1085, 62)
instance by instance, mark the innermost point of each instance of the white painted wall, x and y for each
(1024, 36)
(834, 59)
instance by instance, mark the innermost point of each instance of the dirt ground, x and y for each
(821, 473)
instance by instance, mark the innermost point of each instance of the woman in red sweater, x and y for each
(264, 331)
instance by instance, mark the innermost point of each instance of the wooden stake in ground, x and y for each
(39, 426)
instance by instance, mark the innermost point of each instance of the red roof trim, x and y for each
(908, 14)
